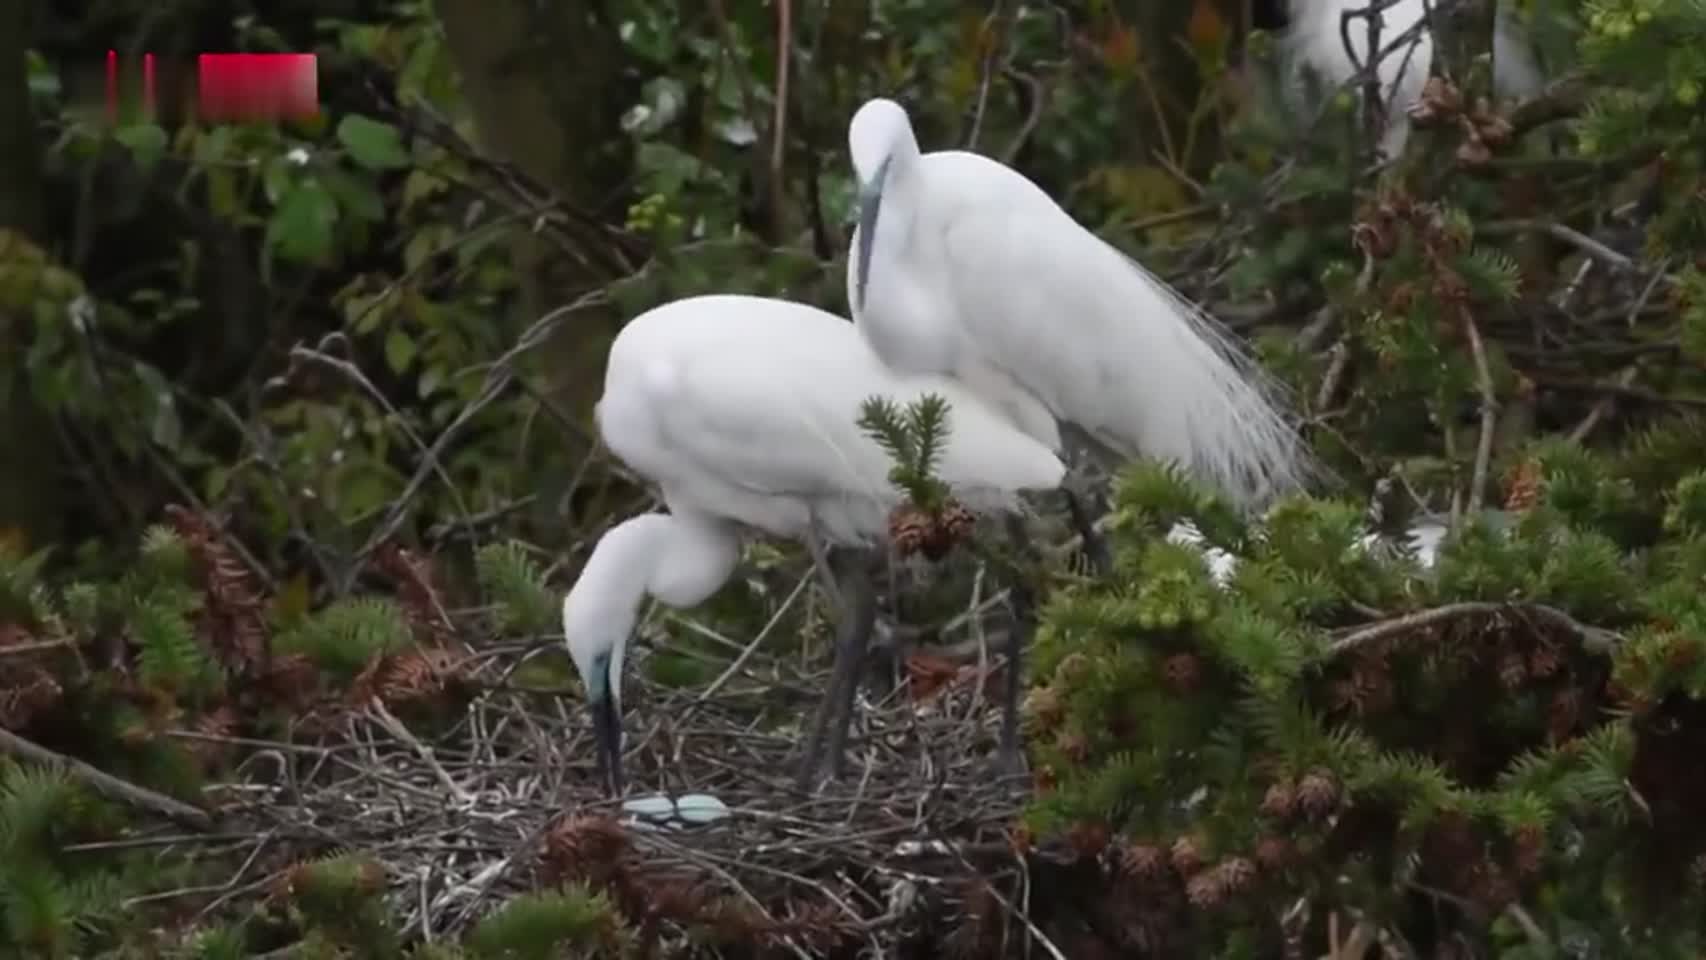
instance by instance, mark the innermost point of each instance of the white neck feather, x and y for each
(680, 559)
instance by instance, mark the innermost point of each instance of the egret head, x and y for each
(597, 636)
(879, 130)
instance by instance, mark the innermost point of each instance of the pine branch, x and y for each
(1594, 639)
(913, 438)
(107, 784)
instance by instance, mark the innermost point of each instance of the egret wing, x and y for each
(776, 422)
(1101, 341)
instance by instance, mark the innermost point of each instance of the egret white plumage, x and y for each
(744, 412)
(1314, 40)
(962, 266)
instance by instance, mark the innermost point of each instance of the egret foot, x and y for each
(1092, 544)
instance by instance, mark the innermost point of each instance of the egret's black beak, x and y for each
(870, 200)
(607, 730)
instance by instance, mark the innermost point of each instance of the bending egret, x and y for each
(963, 267)
(744, 411)
(1314, 40)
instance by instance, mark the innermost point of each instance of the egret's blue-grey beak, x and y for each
(870, 200)
(607, 730)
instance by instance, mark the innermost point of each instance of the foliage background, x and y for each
(291, 411)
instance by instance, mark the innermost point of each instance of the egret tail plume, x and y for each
(1193, 395)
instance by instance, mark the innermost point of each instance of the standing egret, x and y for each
(744, 411)
(962, 266)
(1315, 41)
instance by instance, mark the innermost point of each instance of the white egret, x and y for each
(744, 411)
(962, 266)
(1315, 41)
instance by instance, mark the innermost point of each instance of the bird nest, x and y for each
(506, 799)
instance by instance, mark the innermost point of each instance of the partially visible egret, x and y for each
(743, 410)
(963, 267)
(1314, 40)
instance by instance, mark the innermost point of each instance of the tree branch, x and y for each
(105, 783)
(1593, 639)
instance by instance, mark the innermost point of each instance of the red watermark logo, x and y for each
(226, 87)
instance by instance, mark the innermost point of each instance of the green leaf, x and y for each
(355, 195)
(222, 193)
(399, 350)
(145, 141)
(420, 185)
(277, 177)
(364, 312)
(372, 144)
(164, 427)
(430, 381)
(426, 242)
(212, 145)
(301, 227)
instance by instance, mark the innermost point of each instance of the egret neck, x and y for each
(678, 559)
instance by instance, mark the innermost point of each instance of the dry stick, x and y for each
(353, 373)
(1489, 415)
(1036, 932)
(1039, 99)
(779, 126)
(746, 654)
(985, 72)
(395, 727)
(1626, 378)
(1575, 238)
(1340, 351)
(498, 378)
(34, 646)
(175, 810)
(1594, 639)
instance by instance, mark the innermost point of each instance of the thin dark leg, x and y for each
(1091, 542)
(1022, 600)
(854, 623)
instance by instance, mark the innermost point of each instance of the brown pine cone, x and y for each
(1280, 802)
(1530, 843)
(1513, 670)
(1493, 890)
(1183, 672)
(1318, 793)
(1236, 874)
(1206, 890)
(1544, 660)
(1186, 855)
(910, 530)
(1274, 853)
(1073, 744)
(958, 522)
(1564, 713)
(1071, 667)
(1045, 779)
(1681, 653)
(1043, 706)
(1523, 486)
(1143, 861)
(1088, 837)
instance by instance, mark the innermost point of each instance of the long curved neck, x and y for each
(680, 559)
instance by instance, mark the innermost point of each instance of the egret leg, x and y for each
(855, 621)
(1091, 542)
(1022, 599)
(1080, 509)
(820, 562)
